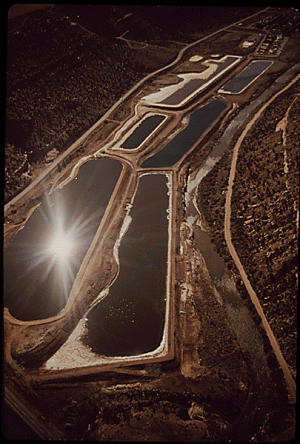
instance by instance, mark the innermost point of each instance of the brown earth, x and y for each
(204, 391)
(263, 222)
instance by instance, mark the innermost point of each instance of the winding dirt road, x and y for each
(227, 231)
(108, 113)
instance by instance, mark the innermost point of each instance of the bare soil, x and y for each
(204, 392)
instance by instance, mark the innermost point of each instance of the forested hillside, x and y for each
(265, 213)
(66, 68)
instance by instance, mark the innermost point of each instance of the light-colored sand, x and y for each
(165, 92)
(209, 74)
(74, 354)
(195, 58)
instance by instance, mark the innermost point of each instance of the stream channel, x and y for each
(248, 336)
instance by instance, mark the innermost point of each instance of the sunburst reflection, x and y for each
(47, 253)
(42, 261)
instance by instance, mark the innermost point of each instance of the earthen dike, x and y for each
(32, 343)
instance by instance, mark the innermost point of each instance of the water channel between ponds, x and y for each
(130, 320)
(36, 287)
(248, 336)
(200, 120)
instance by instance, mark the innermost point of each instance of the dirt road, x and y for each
(81, 139)
(227, 231)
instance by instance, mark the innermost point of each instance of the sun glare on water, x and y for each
(61, 246)
(46, 255)
(64, 245)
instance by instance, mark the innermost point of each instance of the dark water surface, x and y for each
(33, 287)
(244, 78)
(142, 131)
(130, 320)
(200, 121)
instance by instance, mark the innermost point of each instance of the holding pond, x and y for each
(179, 94)
(131, 319)
(142, 131)
(43, 259)
(240, 82)
(200, 121)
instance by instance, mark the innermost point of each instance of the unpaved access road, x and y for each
(227, 232)
(81, 139)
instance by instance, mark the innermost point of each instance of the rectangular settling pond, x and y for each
(200, 121)
(182, 93)
(38, 279)
(142, 131)
(240, 82)
(130, 320)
